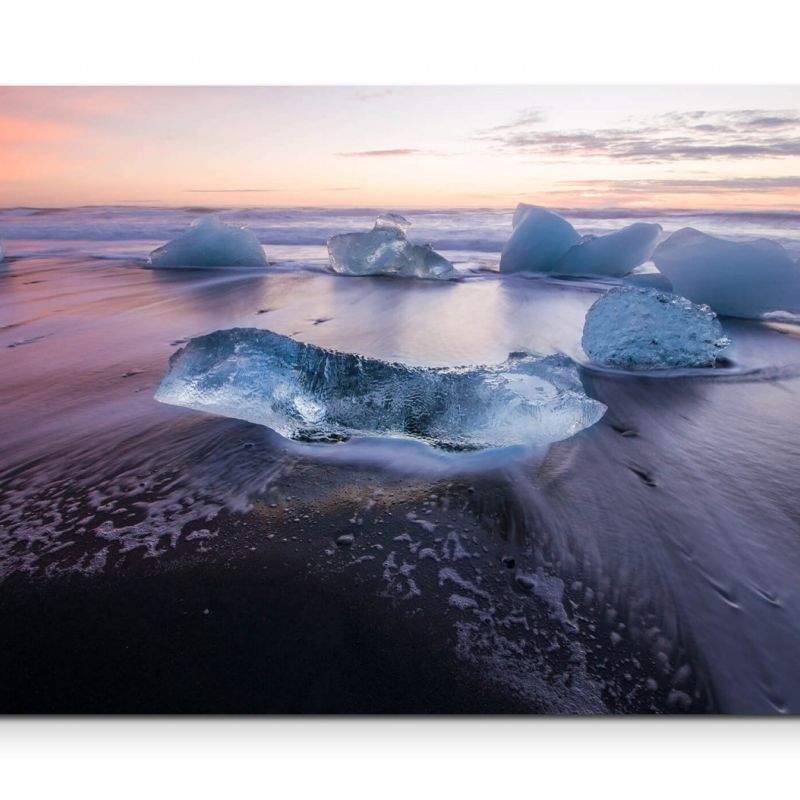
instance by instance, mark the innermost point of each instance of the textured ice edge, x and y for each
(637, 328)
(312, 394)
(386, 250)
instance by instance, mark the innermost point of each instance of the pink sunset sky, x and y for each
(676, 147)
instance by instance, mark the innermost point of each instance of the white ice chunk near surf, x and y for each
(614, 254)
(312, 394)
(385, 250)
(737, 279)
(543, 241)
(210, 242)
(632, 328)
(539, 240)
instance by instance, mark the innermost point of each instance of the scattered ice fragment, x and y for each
(345, 540)
(209, 242)
(2, 252)
(543, 241)
(737, 279)
(632, 328)
(385, 250)
(312, 394)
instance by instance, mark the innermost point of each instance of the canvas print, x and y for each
(400, 400)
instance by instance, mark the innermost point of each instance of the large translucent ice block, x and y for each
(307, 392)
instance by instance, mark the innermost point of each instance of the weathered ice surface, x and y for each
(737, 279)
(385, 250)
(309, 393)
(543, 241)
(209, 242)
(633, 328)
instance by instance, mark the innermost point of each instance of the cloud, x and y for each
(531, 116)
(399, 151)
(693, 136)
(686, 185)
(223, 191)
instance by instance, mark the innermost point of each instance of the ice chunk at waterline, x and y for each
(632, 328)
(539, 241)
(544, 241)
(385, 250)
(614, 254)
(306, 392)
(209, 242)
(738, 279)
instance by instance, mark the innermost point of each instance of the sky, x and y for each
(718, 147)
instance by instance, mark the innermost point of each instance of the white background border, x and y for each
(401, 758)
(412, 42)
(405, 41)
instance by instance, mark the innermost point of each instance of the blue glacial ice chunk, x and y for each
(209, 242)
(615, 254)
(538, 242)
(543, 241)
(385, 250)
(309, 393)
(633, 328)
(737, 279)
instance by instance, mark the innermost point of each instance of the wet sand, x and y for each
(290, 610)
(646, 565)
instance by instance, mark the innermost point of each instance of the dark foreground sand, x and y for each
(339, 591)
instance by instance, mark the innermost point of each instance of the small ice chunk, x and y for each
(615, 254)
(2, 252)
(737, 279)
(385, 250)
(544, 241)
(632, 328)
(539, 240)
(209, 242)
(312, 394)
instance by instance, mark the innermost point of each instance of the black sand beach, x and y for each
(161, 560)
